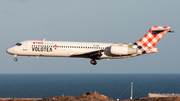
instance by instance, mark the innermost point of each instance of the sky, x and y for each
(110, 21)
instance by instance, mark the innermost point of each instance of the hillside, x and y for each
(89, 97)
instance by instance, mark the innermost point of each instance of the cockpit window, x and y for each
(18, 44)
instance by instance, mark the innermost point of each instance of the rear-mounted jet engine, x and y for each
(122, 50)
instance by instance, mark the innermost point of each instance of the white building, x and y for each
(162, 95)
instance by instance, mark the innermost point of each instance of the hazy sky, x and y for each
(120, 21)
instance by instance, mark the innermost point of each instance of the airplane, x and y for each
(92, 50)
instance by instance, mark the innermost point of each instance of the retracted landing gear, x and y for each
(93, 62)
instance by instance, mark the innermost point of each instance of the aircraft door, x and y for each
(24, 46)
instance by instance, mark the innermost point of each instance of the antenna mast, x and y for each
(131, 90)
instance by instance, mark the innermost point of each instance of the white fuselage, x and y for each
(60, 49)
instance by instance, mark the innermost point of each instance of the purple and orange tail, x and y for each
(149, 41)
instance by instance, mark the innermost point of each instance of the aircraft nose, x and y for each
(10, 50)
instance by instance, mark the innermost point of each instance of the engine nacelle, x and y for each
(122, 50)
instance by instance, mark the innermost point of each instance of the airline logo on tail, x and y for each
(149, 41)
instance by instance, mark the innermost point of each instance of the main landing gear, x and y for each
(94, 57)
(93, 62)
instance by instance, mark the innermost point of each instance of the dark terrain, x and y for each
(89, 97)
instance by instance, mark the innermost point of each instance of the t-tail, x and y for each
(147, 43)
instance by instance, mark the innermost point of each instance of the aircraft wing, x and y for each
(93, 54)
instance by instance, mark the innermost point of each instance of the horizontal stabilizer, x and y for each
(152, 50)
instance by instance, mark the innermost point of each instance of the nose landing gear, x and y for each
(15, 59)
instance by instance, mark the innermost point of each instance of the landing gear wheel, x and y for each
(15, 59)
(93, 62)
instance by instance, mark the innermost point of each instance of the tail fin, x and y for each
(147, 43)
